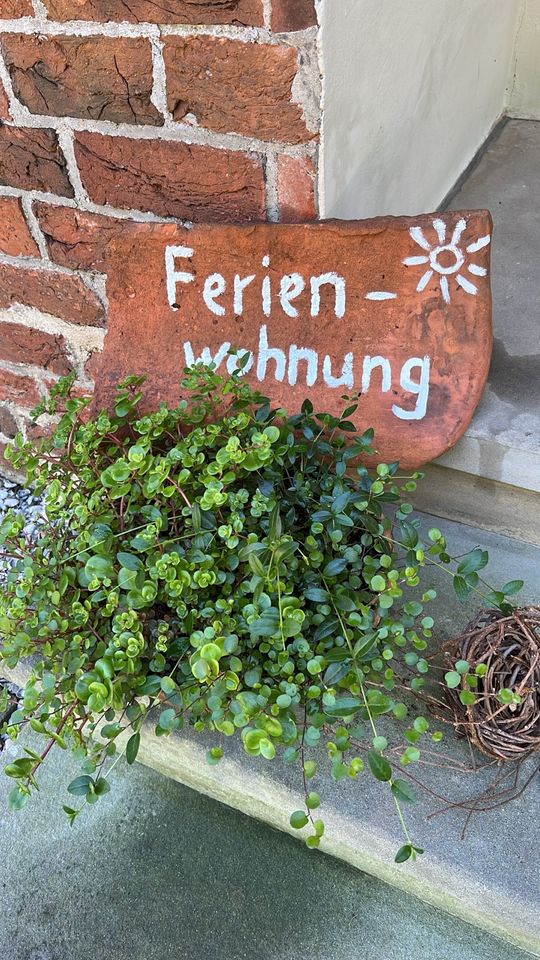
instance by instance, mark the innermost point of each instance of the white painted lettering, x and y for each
(312, 359)
(339, 286)
(233, 363)
(291, 288)
(347, 373)
(267, 353)
(240, 284)
(266, 290)
(370, 363)
(420, 388)
(214, 286)
(206, 355)
(175, 276)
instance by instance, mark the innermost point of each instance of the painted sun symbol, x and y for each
(447, 258)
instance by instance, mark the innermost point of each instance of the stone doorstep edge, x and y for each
(258, 796)
(489, 459)
(430, 880)
(472, 499)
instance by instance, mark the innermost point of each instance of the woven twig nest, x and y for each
(509, 646)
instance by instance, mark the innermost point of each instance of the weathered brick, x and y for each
(13, 9)
(92, 364)
(15, 237)
(32, 160)
(20, 390)
(37, 431)
(293, 15)
(239, 12)
(235, 87)
(171, 179)
(57, 294)
(5, 113)
(20, 344)
(77, 239)
(96, 78)
(296, 189)
(8, 424)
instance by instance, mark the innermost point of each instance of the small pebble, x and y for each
(16, 498)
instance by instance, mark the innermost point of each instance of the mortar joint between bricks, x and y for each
(171, 131)
(159, 84)
(84, 28)
(40, 9)
(88, 337)
(267, 14)
(34, 227)
(46, 266)
(15, 108)
(106, 210)
(270, 164)
(66, 140)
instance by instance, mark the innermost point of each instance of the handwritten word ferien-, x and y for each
(397, 310)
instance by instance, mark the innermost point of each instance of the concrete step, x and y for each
(492, 476)
(489, 879)
(164, 858)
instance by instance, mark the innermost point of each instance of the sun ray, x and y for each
(418, 236)
(458, 230)
(424, 281)
(478, 271)
(445, 290)
(450, 240)
(479, 244)
(440, 227)
(466, 284)
(415, 261)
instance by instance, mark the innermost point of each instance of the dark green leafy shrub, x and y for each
(232, 567)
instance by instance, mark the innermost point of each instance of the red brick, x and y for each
(20, 390)
(57, 294)
(239, 12)
(15, 237)
(96, 78)
(293, 15)
(93, 364)
(76, 239)
(13, 9)
(37, 431)
(5, 466)
(231, 86)
(171, 179)
(296, 189)
(32, 160)
(19, 344)
(8, 424)
(5, 113)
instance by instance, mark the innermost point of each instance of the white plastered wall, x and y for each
(412, 88)
(525, 94)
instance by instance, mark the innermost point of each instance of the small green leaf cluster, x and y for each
(227, 565)
(468, 681)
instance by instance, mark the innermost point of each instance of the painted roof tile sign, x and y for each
(396, 309)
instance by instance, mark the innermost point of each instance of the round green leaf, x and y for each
(298, 819)
(379, 766)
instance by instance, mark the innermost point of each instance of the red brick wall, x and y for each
(193, 110)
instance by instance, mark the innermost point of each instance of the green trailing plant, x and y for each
(228, 567)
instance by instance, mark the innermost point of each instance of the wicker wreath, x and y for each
(509, 646)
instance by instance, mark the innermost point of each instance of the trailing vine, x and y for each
(225, 566)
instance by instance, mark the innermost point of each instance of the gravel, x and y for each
(16, 498)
